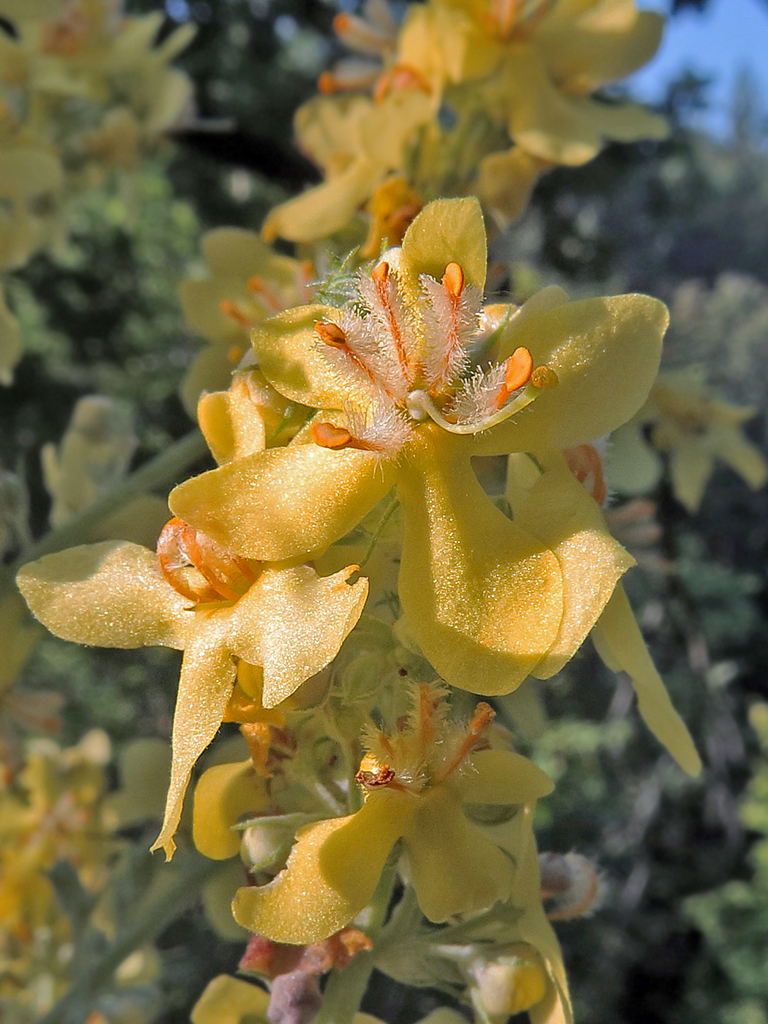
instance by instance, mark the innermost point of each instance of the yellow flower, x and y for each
(408, 398)
(246, 282)
(416, 782)
(536, 65)
(358, 143)
(556, 508)
(222, 611)
(696, 429)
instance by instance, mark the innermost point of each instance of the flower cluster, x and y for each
(367, 416)
(465, 96)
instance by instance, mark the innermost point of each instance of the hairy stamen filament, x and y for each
(481, 719)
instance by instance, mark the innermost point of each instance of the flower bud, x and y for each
(265, 846)
(510, 984)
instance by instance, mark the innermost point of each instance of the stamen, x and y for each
(380, 273)
(517, 372)
(258, 286)
(359, 34)
(332, 334)
(481, 719)
(326, 435)
(453, 279)
(401, 76)
(229, 308)
(386, 306)
(235, 354)
(348, 74)
(180, 547)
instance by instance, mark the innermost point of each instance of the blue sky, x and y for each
(730, 35)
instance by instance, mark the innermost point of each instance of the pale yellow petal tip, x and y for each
(165, 843)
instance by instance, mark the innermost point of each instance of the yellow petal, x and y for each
(286, 502)
(505, 182)
(331, 874)
(563, 516)
(289, 353)
(223, 795)
(230, 1001)
(605, 353)
(391, 125)
(617, 632)
(239, 254)
(542, 120)
(623, 122)
(201, 301)
(742, 456)
(106, 595)
(447, 230)
(205, 685)
(293, 622)
(502, 777)
(690, 467)
(231, 422)
(454, 868)
(596, 57)
(326, 208)
(483, 599)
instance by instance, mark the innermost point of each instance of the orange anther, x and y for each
(331, 333)
(341, 23)
(380, 273)
(543, 377)
(518, 369)
(235, 354)
(453, 279)
(326, 435)
(219, 575)
(327, 83)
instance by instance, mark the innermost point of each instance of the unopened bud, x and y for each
(264, 846)
(510, 984)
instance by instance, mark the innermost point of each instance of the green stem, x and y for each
(160, 471)
(152, 917)
(345, 989)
